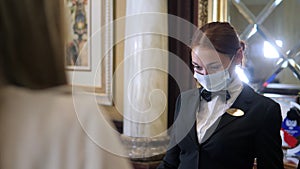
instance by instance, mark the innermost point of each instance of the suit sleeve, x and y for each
(268, 141)
(171, 159)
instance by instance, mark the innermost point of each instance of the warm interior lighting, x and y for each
(241, 74)
(253, 31)
(285, 64)
(292, 62)
(270, 51)
(277, 2)
(280, 60)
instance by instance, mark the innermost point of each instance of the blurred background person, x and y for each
(41, 124)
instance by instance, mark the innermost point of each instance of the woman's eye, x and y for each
(197, 67)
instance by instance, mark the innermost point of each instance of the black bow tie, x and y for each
(207, 95)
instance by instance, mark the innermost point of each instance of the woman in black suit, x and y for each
(224, 124)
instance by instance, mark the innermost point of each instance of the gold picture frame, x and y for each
(96, 77)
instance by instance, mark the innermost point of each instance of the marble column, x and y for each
(145, 78)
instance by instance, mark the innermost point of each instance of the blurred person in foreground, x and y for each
(224, 124)
(42, 123)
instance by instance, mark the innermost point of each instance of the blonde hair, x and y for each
(32, 34)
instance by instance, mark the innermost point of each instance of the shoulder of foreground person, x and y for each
(60, 125)
(102, 138)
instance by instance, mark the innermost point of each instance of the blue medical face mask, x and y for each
(216, 81)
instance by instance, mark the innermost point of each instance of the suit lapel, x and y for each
(242, 102)
(185, 121)
(193, 132)
(193, 135)
(210, 130)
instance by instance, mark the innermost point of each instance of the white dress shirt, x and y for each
(209, 112)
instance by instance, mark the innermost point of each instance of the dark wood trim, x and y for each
(187, 10)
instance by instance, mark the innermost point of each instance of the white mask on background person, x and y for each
(216, 81)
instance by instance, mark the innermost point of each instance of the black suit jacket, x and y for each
(234, 142)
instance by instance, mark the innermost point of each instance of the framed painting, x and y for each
(89, 51)
(77, 53)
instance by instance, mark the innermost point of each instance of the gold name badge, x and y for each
(235, 112)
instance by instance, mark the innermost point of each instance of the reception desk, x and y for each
(290, 166)
(154, 164)
(287, 165)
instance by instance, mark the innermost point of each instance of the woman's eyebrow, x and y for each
(194, 63)
(213, 63)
